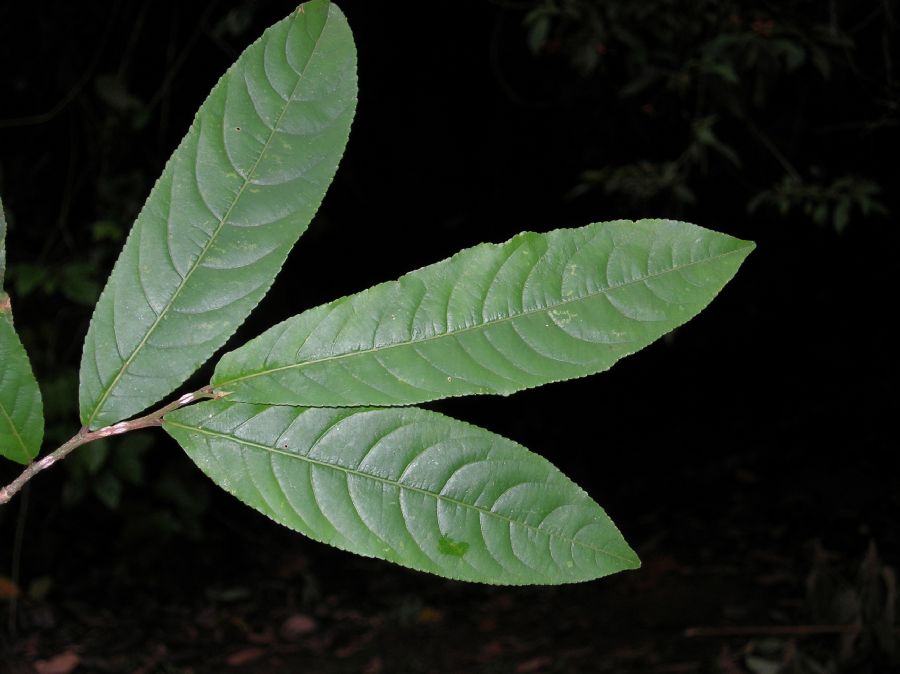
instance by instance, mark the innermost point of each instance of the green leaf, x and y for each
(406, 485)
(21, 407)
(233, 199)
(492, 319)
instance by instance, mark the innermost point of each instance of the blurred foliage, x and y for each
(865, 597)
(743, 89)
(823, 204)
(853, 623)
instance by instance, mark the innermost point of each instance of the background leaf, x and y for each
(21, 407)
(492, 319)
(406, 485)
(232, 201)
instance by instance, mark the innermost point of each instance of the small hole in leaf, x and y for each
(237, 128)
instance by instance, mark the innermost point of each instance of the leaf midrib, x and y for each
(551, 533)
(212, 239)
(479, 326)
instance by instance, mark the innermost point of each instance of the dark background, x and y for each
(746, 456)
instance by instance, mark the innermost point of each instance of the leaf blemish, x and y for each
(453, 548)
(561, 316)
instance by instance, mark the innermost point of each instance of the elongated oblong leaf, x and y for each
(21, 406)
(232, 201)
(492, 319)
(406, 485)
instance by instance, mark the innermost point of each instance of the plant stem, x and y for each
(85, 436)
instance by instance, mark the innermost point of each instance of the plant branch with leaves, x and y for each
(312, 423)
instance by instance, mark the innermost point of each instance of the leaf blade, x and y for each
(406, 485)
(21, 405)
(491, 319)
(233, 199)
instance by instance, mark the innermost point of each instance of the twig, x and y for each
(772, 630)
(773, 150)
(85, 436)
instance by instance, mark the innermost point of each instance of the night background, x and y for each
(746, 456)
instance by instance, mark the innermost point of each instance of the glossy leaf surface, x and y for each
(492, 319)
(21, 407)
(236, 194)
(406, 485)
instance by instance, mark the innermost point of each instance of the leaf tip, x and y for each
(633, 562)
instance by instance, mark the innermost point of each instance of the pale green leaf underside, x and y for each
(406, 485)
(492, 319)
(21, 407)
(231, 202)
